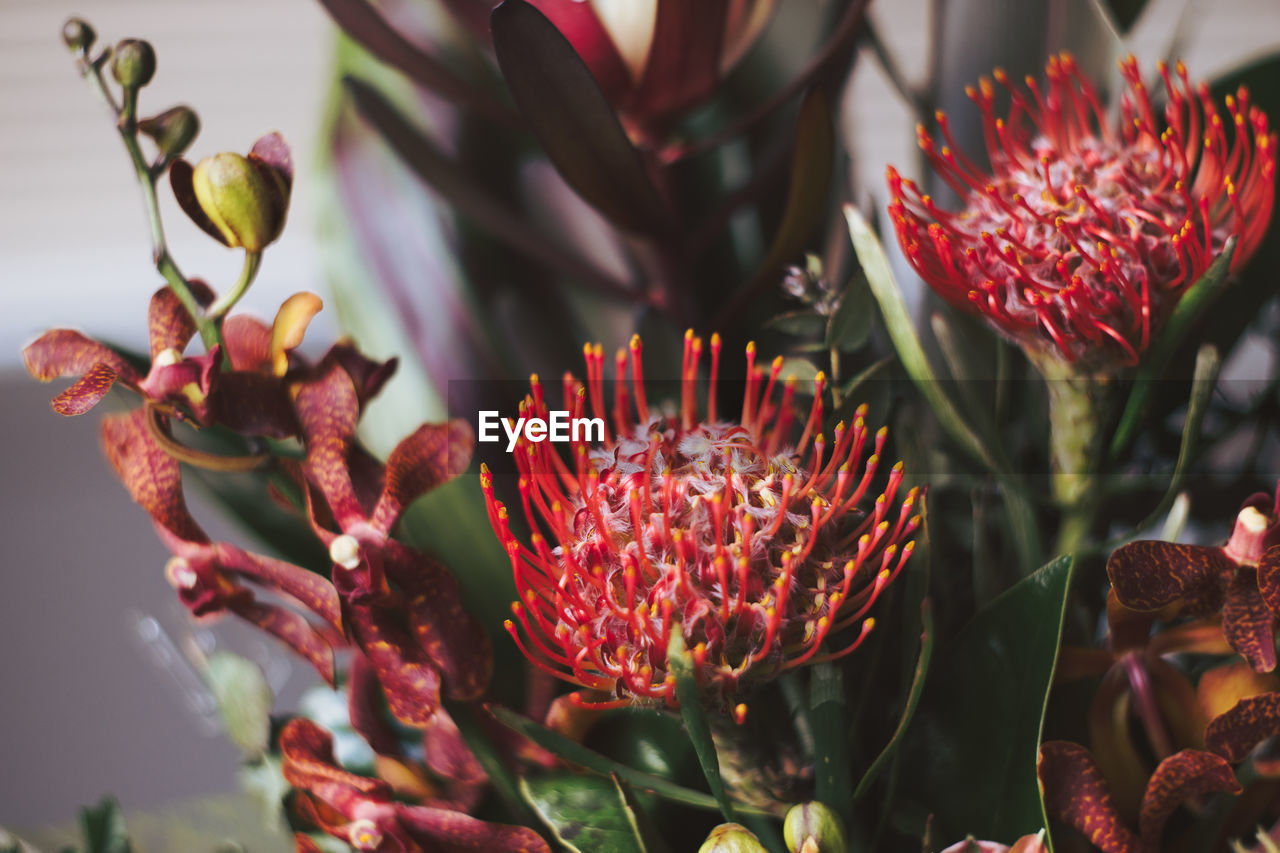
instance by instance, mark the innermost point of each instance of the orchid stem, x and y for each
(224, 303)
(126, 124)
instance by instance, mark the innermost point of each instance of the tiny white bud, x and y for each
(180, 574)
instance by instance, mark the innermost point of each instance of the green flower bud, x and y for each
(133, 63)
(814, 828)
(78, 35)
(172, 130)
(240, 201)
(732, 838)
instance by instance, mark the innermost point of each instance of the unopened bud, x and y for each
(78, 35)
(240, 201)
(172, 130)
(731, 838)
(133, 63)
(814, 828)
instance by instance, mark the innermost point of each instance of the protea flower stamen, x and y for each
(749, 542)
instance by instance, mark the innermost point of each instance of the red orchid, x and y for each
(174, 383)
(361, 811)
(1241, 577)
(416, 634)
(209, 575)
(1077, 793)
(1140, 684)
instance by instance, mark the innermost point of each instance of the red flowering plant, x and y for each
(732, 619)
(735, 539)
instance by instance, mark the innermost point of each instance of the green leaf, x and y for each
(244, 701)
(884, 287)
(695, 721)
(576, 753)
(802, 324)
(1208, 366)
(1154, 363)
(802, 370)
(104, 829)
(811, 168)
(976, 735)
(850, 325)
(913, 700)
(812, 165)
(573, 119)
(585, 813)
(828, 715)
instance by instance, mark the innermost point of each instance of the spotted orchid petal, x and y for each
(1147, 575)
(1234, 735)
(1076, 792)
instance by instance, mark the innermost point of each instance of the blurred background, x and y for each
(93, 693)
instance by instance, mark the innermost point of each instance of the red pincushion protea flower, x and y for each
(1082, 237)
(749, 543)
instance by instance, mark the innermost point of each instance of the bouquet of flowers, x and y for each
(811, 557)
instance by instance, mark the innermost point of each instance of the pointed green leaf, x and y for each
(573, 119)
(584, 813)
(978, 727)
(1192, 304)
(884, 287)
(695, 721)
(828, 715)
(850, 325)
(576, 753)
(913, 700)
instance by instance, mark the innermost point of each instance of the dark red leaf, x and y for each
(684, 60)
(573, 119)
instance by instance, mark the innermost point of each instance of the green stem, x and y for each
(126, 125)
(248, 272)
(1078, 404)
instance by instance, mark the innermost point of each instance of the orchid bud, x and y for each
(78, 35)
(814, 828)
(731, 838)
(239, 200)
(133, 63)
(172, 130)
